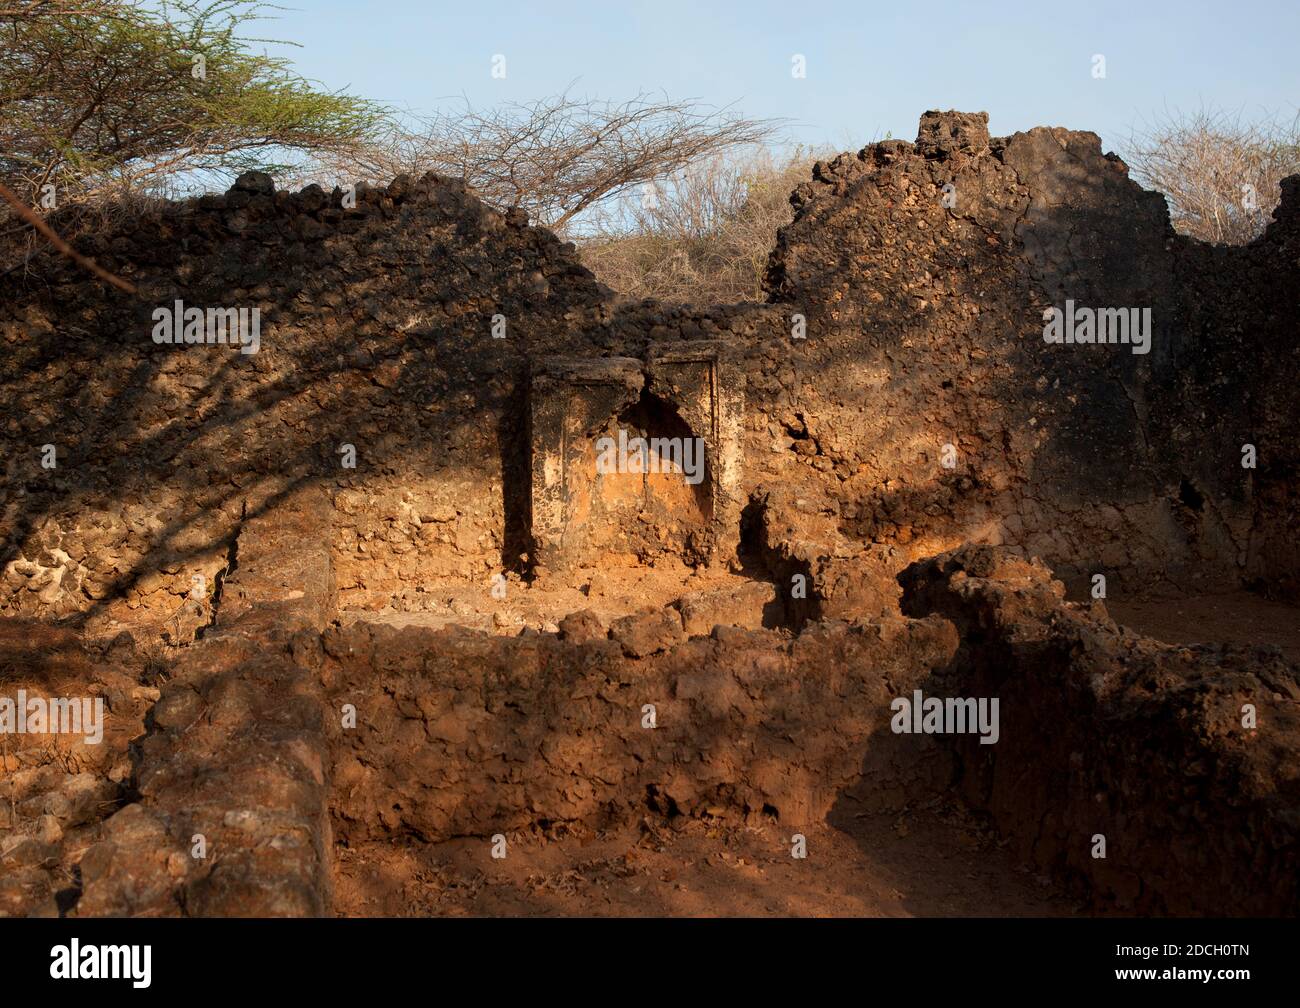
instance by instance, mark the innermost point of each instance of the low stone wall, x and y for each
(229, 816)
(1102, 735)
(1186, 760)
(460, 733)
(270, 737)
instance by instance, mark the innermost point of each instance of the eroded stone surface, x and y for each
(1185, 759)
(392, 449)
(918, 273)
(462, 733)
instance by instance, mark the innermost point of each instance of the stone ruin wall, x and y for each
(923, 328)
(381, 341)
(1107, 731)
(932, 323)
(462, 733)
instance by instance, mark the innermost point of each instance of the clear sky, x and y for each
(872, 68)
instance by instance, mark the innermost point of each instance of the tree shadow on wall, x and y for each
(161, 450)
(388, 347)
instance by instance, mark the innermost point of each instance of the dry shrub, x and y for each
(562, 158)
(703, 234)
(1219, 174)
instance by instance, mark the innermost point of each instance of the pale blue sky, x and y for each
(872, 67)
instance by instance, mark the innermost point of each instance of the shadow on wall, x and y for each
(160, 448)
(1098, 734)
(924, 329)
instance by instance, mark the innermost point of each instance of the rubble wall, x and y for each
(376, 333)
(900, 398)
(466, 734)
(923, 271)
(1184, 762)
(1156, 780)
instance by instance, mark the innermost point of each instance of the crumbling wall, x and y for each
(1156, 779)
(57, 789)
(923, 271)
(377, 347)
(899, 398)
(270, 737)
(459, 733)
(228, 785)
(1183, 761)
(1237, 363)
(899, 394)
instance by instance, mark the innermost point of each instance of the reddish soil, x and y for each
(617, 588)
(1238, 618)
(928, 862)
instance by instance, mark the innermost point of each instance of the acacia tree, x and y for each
(97, 95)
(558, 157)
(113, 97)
(105, 97)
(1220, 175)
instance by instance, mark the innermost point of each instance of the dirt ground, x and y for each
(937, 861)
(1238, 618)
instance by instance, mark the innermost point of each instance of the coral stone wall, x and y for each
(899, 395)
(923, 271)
(1182, 760)
(376, 333)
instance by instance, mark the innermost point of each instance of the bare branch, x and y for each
(34, 219)
(557, 157)
(1220, 175)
